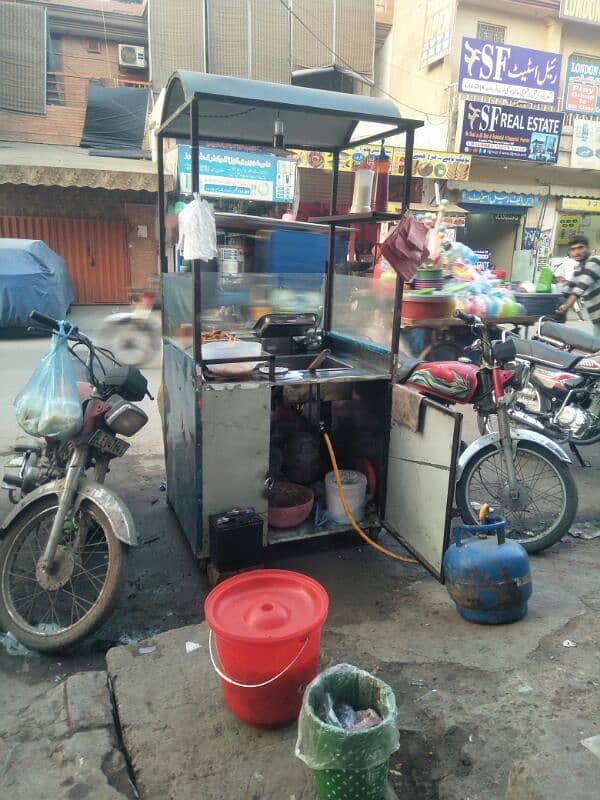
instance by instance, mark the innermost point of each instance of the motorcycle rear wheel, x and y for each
(52, 613)
(530, 398)
(546, 511)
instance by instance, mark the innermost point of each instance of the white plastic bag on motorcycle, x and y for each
(49, 405)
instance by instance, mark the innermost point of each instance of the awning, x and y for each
(55, 165)
(239, 110)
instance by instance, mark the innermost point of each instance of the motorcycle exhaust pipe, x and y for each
(526, 419)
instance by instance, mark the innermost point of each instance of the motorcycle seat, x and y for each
(571, 336)
(406, 367)
(541, 353)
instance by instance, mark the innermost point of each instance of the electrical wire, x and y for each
(349, 66)
(348, 513)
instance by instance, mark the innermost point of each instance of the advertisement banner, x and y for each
(426, 163)
(437, 35)
(503, 70)
(581, 204)
(582, 85)
(568, 225)
(511, 132)
(580, 10)
(585, 153)
(232, 173)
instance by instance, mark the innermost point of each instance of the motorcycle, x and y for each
(64, 543)
(523, 474)
(134, 336)
(561, 396)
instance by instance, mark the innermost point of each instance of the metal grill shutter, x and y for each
(228, 38)
(307, 51)
(270, 38)
(22, 58)
(355, 35)
(176, 36)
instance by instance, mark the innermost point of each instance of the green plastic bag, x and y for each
(348, 765)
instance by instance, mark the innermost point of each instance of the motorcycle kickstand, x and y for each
(575, 450)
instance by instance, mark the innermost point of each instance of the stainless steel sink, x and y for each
(303, 360)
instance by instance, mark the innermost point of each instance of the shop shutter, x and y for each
(95, 252)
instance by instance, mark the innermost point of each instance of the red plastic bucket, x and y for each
(267, 630)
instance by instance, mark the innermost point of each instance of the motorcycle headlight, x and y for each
(124, 417)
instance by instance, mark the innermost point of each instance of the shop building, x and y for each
(74, 169)
(515, 84)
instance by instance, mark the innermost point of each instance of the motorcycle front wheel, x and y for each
(51, 611)
(547, 502)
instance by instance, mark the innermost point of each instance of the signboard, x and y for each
(433, 164)
(581, 204)
(585, 153)
(582, 85)
(500, 198)
(437, 35)
(232, 173)
(580, 10)
(529, 238)
(484, 259)
(507, 219)
(503, 70)
(568, 225)
(511, 132)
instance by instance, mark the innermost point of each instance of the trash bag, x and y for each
(324, 746)
(49, 405)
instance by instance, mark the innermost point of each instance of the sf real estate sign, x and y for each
(521, 134)
(503, 70)
(581, 10)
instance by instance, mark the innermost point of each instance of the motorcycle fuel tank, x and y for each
(554, 380)
(450, 380)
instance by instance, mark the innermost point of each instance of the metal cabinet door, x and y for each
(420, 482)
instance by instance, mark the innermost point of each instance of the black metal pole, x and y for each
(160, 164)
(196, 273)
(408, 167)
(397, 322)
(331, 249)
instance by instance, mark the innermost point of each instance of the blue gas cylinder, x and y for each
(488, 578)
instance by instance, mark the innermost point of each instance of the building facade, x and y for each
(73, 170)
(515, 84)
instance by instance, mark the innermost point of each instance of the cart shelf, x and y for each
(372, 217)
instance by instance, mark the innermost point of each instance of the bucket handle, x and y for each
(227, 679)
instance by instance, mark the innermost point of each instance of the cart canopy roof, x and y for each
(242, 111)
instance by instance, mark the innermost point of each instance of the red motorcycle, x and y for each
(523, 474)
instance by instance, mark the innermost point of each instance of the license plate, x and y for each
(109, 444)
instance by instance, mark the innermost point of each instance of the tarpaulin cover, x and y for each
(115, 117)
(32, 277)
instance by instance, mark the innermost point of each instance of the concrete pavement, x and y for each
(515, 690)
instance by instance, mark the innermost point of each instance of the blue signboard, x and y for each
(246, 175)
(499, 198)
(504, 70)
(513, 132)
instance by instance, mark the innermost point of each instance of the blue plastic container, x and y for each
(488, 578)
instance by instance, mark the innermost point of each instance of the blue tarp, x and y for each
(32, 277)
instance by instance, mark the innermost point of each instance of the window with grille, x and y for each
(490, 32)
(55, 82)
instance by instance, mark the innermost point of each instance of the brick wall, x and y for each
(143, 250)
(64, 124)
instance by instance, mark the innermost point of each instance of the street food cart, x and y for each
(229, 431)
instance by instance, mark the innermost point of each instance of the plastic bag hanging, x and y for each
(50, 405)
(197, 231)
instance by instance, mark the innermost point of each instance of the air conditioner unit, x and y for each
(132, 56)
